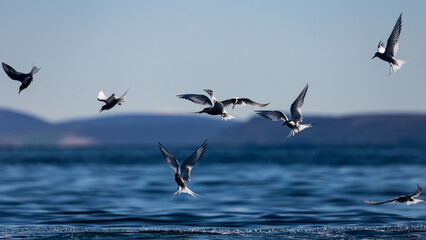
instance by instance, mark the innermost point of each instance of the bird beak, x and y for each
(374, 56)
(100, 111)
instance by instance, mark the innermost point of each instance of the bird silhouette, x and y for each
(111, 101)
(236, 101)
(407, 199)
(25, 78)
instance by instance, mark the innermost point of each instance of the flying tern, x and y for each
(407, 199)
(388, 54)
(296, 115)
(215, 107)
(111, 101)
(182, 172)
(236, 101)
(24, 78)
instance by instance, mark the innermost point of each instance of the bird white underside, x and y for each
(413, 202)
(186, 190)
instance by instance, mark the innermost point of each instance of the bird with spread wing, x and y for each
(407, 199)
(25, 78)
(237, 101)
(296, 115)
(388, 54)
(111, 101)
(182, 172)
(215, 107)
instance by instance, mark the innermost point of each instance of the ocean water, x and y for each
(249, 193)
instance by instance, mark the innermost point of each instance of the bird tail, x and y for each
(396, 66)
(290, 134)
(186, 190)
(124, 97)
(296, 130)
(34, 70)
(226, 116)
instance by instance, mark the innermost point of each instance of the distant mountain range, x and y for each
(383, 129)
(19, 129)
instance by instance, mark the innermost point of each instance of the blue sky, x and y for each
(264, 50)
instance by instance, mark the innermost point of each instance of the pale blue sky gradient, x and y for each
(264, 50)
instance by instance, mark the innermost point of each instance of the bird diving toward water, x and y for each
(182, 172)
(407, 199)
(236, 101)
(111, 101)
(296, 115)
(388, 54)
(24, 78)
(215, 107)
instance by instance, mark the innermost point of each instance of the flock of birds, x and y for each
(216, 107)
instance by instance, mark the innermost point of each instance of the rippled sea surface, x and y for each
(277, 192)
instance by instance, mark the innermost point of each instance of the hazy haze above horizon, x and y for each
(264, 50)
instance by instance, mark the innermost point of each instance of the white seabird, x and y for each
(236, 101)
(215, 106)
(111, 101)
(24, 78)
(182, 172)
(407, 199)
(296, 115)
(388, 54)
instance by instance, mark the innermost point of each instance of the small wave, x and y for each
(58, 232)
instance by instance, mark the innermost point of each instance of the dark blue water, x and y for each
(282, 192)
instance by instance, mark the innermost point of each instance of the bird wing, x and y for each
(102, 97)
(170, 159)
(273, 115)
(227, 102)
(190, 162)
(392, 46)
(247, 101)
(296, 113)
(378, 203)
(418, 192)
(197, 98)
(13, 74)
(381, 47)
